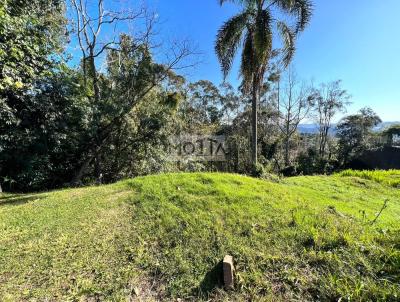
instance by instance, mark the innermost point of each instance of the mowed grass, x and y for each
(160, 238)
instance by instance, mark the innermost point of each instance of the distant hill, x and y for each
(384, 125)
(313, 128)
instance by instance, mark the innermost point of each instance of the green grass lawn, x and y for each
(389, 177)
(163, 237)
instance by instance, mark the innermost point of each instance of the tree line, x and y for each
(110, 116)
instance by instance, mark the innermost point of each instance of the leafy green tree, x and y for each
(41, 149)
(254, 27)
(31, 32)
(31, 40)
(392, 135)
(231, 101)
(205, 100)
(355, 134)
(138, 113)
(130, 76)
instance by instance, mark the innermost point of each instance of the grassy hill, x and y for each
(163, 237)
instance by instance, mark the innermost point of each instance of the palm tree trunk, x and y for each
(254, 121)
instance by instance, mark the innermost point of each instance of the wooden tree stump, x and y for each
(229, 271)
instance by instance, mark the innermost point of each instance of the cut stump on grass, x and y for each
(229, 271)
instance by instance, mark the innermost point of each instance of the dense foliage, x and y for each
(31, 35)
(355, 134)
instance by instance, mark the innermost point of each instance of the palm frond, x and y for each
(263, 36)
(245, 3)
(248, 62)
(228, 40)
(288, 37)
(301, 9)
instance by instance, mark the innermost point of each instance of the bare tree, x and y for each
(90, 20)
(330, 99)
(294, 102)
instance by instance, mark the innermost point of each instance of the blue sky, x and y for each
(357, 41)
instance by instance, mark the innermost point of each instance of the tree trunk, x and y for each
(322, 143)
(287, 161)
(287, 140)
(95, 79)
(76, 180)
(237, 157)
(97, 98)
(254, 122)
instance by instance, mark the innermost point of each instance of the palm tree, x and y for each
(252, 30)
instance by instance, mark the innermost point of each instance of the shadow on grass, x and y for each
(212, 280)
(15, 200)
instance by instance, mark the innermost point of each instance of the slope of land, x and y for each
(162, 238)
